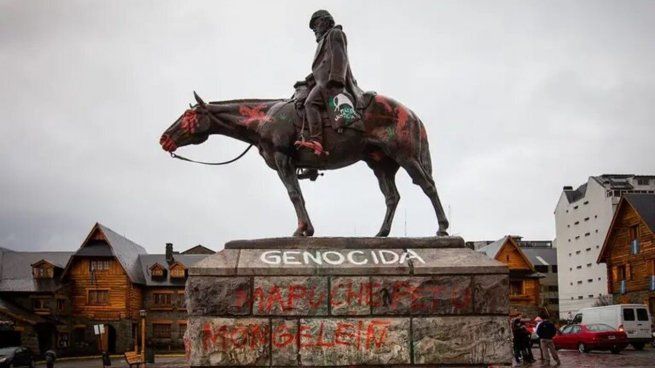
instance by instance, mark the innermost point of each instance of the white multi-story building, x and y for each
(582, 218)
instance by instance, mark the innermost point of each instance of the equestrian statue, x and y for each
(327, 124)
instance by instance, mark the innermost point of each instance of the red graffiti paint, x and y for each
(190, 121)
(384, 102)
(253, 115)
(363, 335)
(377, 156)
(238, 336)
(275, 298)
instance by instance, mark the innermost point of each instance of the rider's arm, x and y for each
(339, 57)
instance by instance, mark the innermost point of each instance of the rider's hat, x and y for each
(319, 14)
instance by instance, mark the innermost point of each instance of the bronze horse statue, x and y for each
(392, 136)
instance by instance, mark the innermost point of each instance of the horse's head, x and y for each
(190, 128)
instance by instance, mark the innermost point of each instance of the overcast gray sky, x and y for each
(519, 98)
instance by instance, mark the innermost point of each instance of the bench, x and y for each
(133, 359)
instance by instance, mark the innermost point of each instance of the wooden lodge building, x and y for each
(525, 264)
(52, 300)
(629, 251)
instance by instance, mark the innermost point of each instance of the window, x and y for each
(163, 299)
(585, 202)
(577, 252)
(577, 222)
(587, 234)
(178, 271)
(620, 273)
(516, 287)
(586, 218)
(181, 300)
(63, 339)
(579, 267)
(61, 304)
(99, 265)
(579, 282)
(42, 272)
(553, 268)
(552, 288)
(575, 207)
(642, 314)
(157, 272)
(590, 296)
(40, 304)
(642, 181)
(161, 330)
(577, 237)
(541, 268)
(628, 314)
(588, 249)
(182, 328)
(98, 297)
(588, 264)
(590, 280)
(580, 297)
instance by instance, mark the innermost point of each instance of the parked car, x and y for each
(596, 336)
(633, 319)
(17, 356)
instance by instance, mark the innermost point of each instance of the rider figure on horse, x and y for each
(330, 78)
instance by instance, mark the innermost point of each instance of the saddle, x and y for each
(340, 104)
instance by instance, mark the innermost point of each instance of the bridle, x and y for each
(173, 155)
(212, 117)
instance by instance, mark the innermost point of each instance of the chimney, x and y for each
(169, 253)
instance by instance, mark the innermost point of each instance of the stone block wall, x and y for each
(347, 307)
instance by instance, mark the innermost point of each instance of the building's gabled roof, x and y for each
(18, 313)
(126, 252)
(198, 249)
(16, 270)
(643, 204)
(494, 248)
(148, 260)
(541, 256)
(43, 260)
(576, 195)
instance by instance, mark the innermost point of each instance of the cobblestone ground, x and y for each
(628, 358)
(570, 358)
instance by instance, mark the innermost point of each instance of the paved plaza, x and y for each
(570, 358)
(598, 359)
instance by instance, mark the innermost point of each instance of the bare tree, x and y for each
(604, 300)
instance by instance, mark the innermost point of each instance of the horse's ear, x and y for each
(199, 100)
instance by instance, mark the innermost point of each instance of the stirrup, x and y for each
(313, 145)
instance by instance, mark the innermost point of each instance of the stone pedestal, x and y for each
(346, 302)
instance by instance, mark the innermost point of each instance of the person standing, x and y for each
(546, 331)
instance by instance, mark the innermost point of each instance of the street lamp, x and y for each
(142, 313)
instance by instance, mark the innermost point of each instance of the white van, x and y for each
(633, 319)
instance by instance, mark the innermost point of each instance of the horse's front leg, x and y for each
(287, 171)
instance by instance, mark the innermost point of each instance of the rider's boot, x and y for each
(313, 116)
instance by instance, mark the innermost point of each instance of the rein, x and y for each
(173, 155)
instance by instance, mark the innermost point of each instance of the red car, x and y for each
(597, 336)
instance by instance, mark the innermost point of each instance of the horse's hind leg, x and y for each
(421, 178)
(287, 172)
(385, 170)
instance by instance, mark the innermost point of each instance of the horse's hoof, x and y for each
(383, 233)
(309, 232)
(299, 233)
